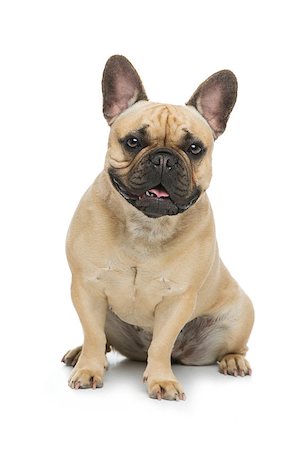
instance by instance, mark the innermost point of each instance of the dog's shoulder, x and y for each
(92, 229)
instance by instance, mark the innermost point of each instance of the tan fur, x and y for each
(155, 274)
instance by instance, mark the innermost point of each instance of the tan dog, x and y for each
(147, 278)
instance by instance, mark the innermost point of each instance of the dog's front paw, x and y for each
(234, 364)
(84, 378)
(167, 389)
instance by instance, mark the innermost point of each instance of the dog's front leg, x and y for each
(91, 308)
(170, 317)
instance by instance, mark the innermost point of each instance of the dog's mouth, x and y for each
(155, 201)
(156, 192)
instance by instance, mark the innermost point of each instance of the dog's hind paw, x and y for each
(234, 364)
(72, 356)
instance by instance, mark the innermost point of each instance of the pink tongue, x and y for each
(159, 193)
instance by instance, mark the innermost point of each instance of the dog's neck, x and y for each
(154, 231)
(140, 229)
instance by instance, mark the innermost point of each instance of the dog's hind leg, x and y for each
(72, 356)
(220, 338)
(131, 341)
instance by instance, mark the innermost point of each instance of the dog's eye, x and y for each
(132, 143)
(196, 149)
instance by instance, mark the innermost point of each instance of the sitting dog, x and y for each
(147, 279)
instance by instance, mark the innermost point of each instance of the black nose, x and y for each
(163, 158)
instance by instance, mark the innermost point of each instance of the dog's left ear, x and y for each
(215, 99)
(121, 87)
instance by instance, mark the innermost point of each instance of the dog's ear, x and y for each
(121, 87)
(215, 99)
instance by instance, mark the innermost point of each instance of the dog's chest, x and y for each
(134, 291)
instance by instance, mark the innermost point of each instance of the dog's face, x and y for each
(159, 156)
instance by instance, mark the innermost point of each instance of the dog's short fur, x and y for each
(147, 278)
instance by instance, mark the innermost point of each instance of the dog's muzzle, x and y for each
(159, 185)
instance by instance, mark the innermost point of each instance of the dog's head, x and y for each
(159, 156)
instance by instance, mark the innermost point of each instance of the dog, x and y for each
(147, 279)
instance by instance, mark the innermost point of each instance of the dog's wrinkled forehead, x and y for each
(164, 125)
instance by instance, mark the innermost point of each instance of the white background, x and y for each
(53, 140)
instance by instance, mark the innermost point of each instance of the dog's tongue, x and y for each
(160, 193)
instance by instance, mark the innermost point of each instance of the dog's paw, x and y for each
(82, 378)
(164, 389)
(72, 356)
(234, 364)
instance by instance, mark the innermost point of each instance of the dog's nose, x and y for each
(164, 158)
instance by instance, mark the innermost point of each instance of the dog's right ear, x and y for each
(121, 87)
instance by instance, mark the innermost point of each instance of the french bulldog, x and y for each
(147, 278)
